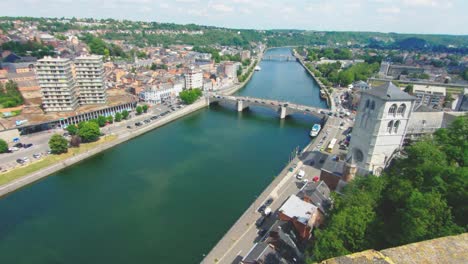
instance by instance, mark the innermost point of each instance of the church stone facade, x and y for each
(380, 126)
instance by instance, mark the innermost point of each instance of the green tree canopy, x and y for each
(118, 117)
(58, 144)
(190, 96)
(89, 131)
(125, 114)
(3, 146)
(139, 110)
(101, 120)
(72, 129)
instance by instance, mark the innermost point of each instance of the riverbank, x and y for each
(62, 164)
(321, 85)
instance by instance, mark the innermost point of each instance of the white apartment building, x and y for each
(59, 92)
(89, 72)
(193, 78)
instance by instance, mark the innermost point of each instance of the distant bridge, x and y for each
(282, 108)
(279, 57)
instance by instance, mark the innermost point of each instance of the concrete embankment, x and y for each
(37, 175)
(322, 87)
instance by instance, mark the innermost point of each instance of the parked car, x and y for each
(20, 161)
(300, 175)
(269, 201)
(28, 145)
(260, 221)
(267, 212)
(18, 145)
(37, 155)
(129, 127)
(13, 149)
(261, 208)
(262, 231)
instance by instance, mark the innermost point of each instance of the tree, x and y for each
(110, 119)
(101, 120)
(139, 110)
(72, 129)
(409, 88)
(118, 117)
(75, 141)
(3, 146)
(58, 144)
(125, 114)
(190, 96)
(89, 131)
(145, 108)
(426, 216)
(448, 99)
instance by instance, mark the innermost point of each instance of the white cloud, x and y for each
(222, 8)
(389, 10)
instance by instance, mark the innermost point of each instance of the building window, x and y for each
(395, 126)
(358, 155)
(389, 127)
(401, 110)
(367, 103)
(392, 109)
(372, 106)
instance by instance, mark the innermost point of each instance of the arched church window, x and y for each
(395, 126)
(358, 155)
(401, 110)
(392, 109)
(372, 105)
(390, 127)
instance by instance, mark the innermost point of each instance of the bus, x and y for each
(331, 145)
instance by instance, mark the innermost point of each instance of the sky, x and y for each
(403, 16)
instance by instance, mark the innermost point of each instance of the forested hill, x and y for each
(152, 33)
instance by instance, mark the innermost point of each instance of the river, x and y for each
(167, 196)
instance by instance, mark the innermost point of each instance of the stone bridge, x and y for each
(279, 57)
(282, 108)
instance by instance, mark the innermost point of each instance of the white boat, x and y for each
(257, 68)
(315, 130)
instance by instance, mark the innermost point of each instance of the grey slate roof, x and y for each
(318, 193)
(389, 92)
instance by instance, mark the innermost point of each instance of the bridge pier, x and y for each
(240, 105)
(283, 112)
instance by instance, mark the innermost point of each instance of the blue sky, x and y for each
(406, 16)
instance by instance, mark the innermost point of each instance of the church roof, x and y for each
(389, 92)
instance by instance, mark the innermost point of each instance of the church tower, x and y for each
(380, 126)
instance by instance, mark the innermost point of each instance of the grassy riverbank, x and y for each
(50, 160)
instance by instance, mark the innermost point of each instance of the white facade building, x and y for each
(157, 95)
(89, 72)
(380, 126)
(193, 78)
(59, 92)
